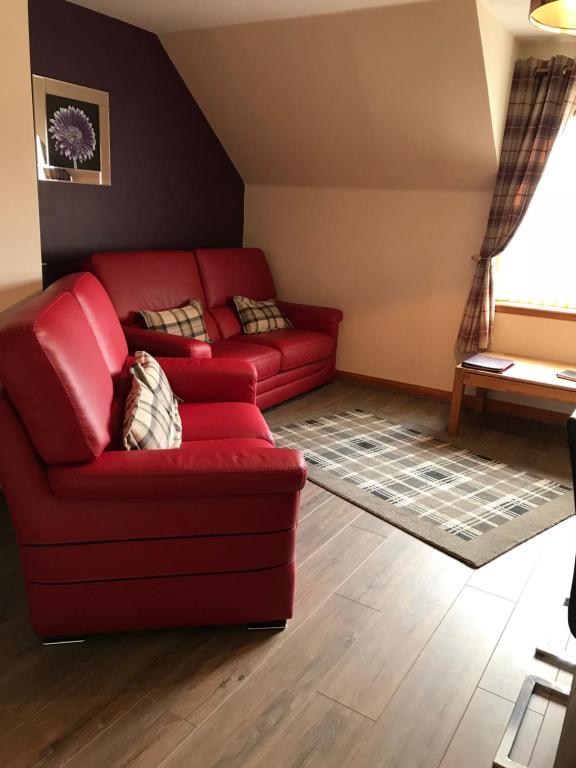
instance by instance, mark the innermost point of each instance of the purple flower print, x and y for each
(73, 134)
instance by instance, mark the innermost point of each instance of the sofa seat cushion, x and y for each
(296, 347)
(265, 359)
(223, 421)
(231, 468)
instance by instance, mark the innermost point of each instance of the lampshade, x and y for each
(554, 15)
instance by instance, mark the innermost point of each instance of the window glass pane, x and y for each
(539, 265)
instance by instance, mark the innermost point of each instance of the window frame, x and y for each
(531, 310)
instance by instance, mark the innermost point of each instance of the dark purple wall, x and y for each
(173, 185)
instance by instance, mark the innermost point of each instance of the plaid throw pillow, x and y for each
(260, 316)
(151, 418)
(181, 321)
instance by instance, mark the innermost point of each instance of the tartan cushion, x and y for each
(260, 316)
(181, 321)
(151, 417)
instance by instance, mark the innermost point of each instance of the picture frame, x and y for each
(72, 132)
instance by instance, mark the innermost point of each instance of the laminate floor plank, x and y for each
(527, 738)
(38, 737)
(538, 619)
(479, 733)
(374, 524)
(321, 525)
(368, 675)
(262, 722)
(43, 675)
(549, 737)
(311, 497)
(507, 575)
(405, 570)
(149, 700)
(143, 737)
(417, 726)
(321, 734)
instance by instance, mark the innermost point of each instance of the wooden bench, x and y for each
(534, 378)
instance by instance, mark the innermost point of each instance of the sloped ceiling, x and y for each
(172, 15)
(393, 97)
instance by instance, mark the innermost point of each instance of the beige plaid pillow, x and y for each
(151, 417)
(260, 316)
(181, 321)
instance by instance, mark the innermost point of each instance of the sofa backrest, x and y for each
(96, 305)
(228, 272)
(55, 375)
(154, 280)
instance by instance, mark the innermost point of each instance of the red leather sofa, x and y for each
(287, 362)
(116, 540)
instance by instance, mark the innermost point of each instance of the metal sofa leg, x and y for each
(532, 685)
(559, 659)
(277, 624)
(63, 640)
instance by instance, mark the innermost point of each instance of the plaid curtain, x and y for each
(540, 104)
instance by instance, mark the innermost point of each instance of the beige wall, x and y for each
(20, 261)
(499, 50)
(398, 264)
(366, 141)
(393, 97)
(547, 46)
(369, 145)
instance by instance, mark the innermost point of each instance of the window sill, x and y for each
(528, 310)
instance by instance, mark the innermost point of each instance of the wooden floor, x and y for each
(398, 656)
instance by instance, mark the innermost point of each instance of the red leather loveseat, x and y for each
(288, 362)
(118, 540)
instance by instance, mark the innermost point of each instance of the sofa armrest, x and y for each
(307, 318)
(211, 468)
(211, 381)
(168, 344)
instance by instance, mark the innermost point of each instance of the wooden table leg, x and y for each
(480, 399)
(456, 402)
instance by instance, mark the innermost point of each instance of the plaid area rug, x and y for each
(472, 507)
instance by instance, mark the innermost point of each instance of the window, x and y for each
(538, 268)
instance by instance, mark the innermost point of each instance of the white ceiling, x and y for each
(514, 15)
(173, 15)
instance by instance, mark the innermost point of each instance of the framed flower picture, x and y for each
(72, 125)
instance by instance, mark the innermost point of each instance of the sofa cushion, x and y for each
(260, 316)
(199, 468)
(266, 360)
(151, 419)
(56, 377)
(228, 272)
(223, 421)
(296, 347)
(96, 305)
(154, 280)
(227, 321)
(181, 321)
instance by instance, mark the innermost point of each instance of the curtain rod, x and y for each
(546, 70)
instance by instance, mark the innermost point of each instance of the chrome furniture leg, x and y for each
(532, 685)
(561, 660)
(278, 624)
(63, 640)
